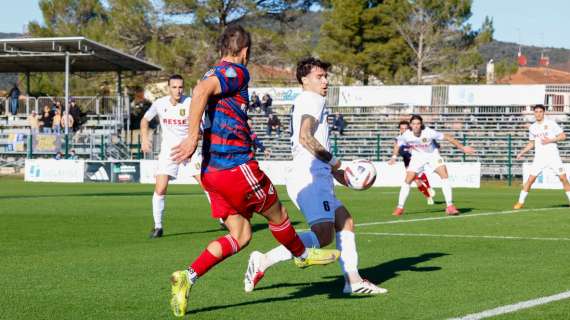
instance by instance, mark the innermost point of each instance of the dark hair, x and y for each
(174, 77)
(233, 40)
(541, 106)
(418, 117)
(406, 122)
(305, 66)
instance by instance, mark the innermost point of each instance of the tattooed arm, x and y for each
(307, 140)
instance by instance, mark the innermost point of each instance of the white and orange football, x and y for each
(360, 174)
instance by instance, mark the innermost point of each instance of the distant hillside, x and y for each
(10, 35)
(498, 50)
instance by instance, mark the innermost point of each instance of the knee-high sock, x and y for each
(404, 192)
(207, 260)
(157, 209)
(446, 189)
(286, 235)
(346, 244)
(568, 195)
(281, 253)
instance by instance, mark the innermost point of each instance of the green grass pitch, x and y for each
(81, 251)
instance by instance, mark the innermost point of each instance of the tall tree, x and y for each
(431, 28)
(359, 38)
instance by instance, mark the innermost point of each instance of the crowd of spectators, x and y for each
(54, 119)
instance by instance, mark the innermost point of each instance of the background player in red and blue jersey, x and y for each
(237, 186)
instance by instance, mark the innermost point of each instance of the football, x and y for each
(360, 174)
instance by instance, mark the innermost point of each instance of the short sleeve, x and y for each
(531, 135)
(232, 78)
(151, 112)
(556, 129)
(310, 106)
(436, 135)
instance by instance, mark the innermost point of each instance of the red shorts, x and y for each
(242, 190)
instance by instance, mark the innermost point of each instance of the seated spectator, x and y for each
(257, 144)
(339, 124)
(255, 103)
(273, 123)
(72, 155)
(58, 156)
(46, 120)
(34, 122)
(56, 122)
(266, 103)
(67, 120)
(138, 108)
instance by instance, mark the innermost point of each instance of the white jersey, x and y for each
(423, 144)
(313, 104)
(545, 129)
(173, 120)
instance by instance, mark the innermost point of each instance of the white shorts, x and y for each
(313, 194)
(170, 168)
(425, 162)
(553, 163)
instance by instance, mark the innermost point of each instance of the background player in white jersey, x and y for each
(421, 141)
(172, 111)
(311, 186)
(544, 135)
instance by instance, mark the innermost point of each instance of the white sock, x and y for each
(346, 244)
(522, 196)
(447, 194)
(280, 253)
(568, 195)
(404, 192)
(157, 209)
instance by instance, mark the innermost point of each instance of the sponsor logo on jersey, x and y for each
(231, 72)
(175, 121)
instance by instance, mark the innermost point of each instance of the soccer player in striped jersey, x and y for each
(236, 184)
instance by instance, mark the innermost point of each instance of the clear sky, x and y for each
(530, 22)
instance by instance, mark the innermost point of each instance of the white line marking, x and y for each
(460, 236)
(457, 217)
(515, 307)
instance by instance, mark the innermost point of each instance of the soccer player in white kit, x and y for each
(544, 135)
(421, 141)
(172, 111)
(311, 188)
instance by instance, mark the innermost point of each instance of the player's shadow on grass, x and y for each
(333, 288)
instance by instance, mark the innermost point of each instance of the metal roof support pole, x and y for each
(66, 92)
(120, 115)
(27, 92)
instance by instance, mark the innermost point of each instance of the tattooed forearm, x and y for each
(307, 139)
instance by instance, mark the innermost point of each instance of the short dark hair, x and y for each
(233, 40)
(305, 66)
(406, 122)
(541, 106)
(175, 77)
(418, 117)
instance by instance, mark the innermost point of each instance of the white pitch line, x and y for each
(515, 307)
(456, 217)
(460, 236)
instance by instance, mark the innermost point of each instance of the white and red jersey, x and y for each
(173, 120)
(544, 129)
(423, 144)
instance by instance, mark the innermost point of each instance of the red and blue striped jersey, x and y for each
(227, 137)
